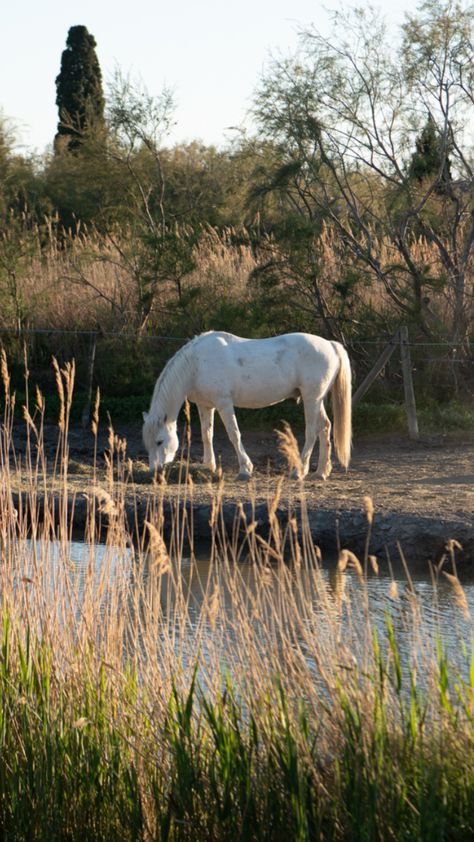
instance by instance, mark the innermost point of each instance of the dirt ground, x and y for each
(427, 485)
(434, 475)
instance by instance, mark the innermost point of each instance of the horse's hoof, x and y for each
(321, 475)
(243, 477)
(295, 474)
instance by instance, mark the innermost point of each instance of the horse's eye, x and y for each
(159, 443)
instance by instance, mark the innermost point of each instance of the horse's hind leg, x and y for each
(311, 415)
(324, 462)
(206, 417)
(317, 424)
(226, 411)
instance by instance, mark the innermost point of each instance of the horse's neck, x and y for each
(170, 393)
(168, 403)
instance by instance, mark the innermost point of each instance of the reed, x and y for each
(144, 696)
(94, 280)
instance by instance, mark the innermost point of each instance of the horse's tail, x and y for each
(342, 407)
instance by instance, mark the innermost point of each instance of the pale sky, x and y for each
(210, 53)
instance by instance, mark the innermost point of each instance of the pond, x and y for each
(199, 605)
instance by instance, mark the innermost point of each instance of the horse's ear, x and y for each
(145, 416)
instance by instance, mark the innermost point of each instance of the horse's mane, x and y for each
(172, 376)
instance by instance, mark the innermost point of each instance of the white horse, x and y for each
(217, 370)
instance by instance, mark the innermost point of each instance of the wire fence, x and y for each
(24, 332)
(126, 364)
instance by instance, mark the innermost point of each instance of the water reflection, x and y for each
(196, 605)
(58, 580)
(304, 606)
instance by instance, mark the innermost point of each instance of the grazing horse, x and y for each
(217, 370)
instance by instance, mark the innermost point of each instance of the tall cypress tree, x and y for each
(430, 160)
(79, 94)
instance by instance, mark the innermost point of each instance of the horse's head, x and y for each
(160, 439)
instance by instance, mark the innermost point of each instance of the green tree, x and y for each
(21, 183)
(430, 158)
(344, 114)
(143, 242)
(201, 185)
(84, 191)
(79, 94)
(19, 237)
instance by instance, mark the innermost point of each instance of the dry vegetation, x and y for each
(264, 701)
(93, 282)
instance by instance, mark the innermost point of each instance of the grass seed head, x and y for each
(39, 400)
(160, 559)
(60, 388)
(288, 447)
(5, 372)
(95, 413)
(374, 564)
(369, 508)
(348, 558)
(273, 506)
(459, 594)
(214, 607)
(106, 503)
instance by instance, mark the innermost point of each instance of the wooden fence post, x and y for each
(376, 369)
(87, 406)
(408, 384)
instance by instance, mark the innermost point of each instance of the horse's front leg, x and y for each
(206, 417)
(226, 411)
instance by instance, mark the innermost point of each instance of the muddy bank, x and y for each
(422, 539)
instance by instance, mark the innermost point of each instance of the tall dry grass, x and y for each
(94, 280)
(148, 696)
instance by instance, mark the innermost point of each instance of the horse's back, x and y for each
(292, 348)
(258, 372)
(220, 339)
